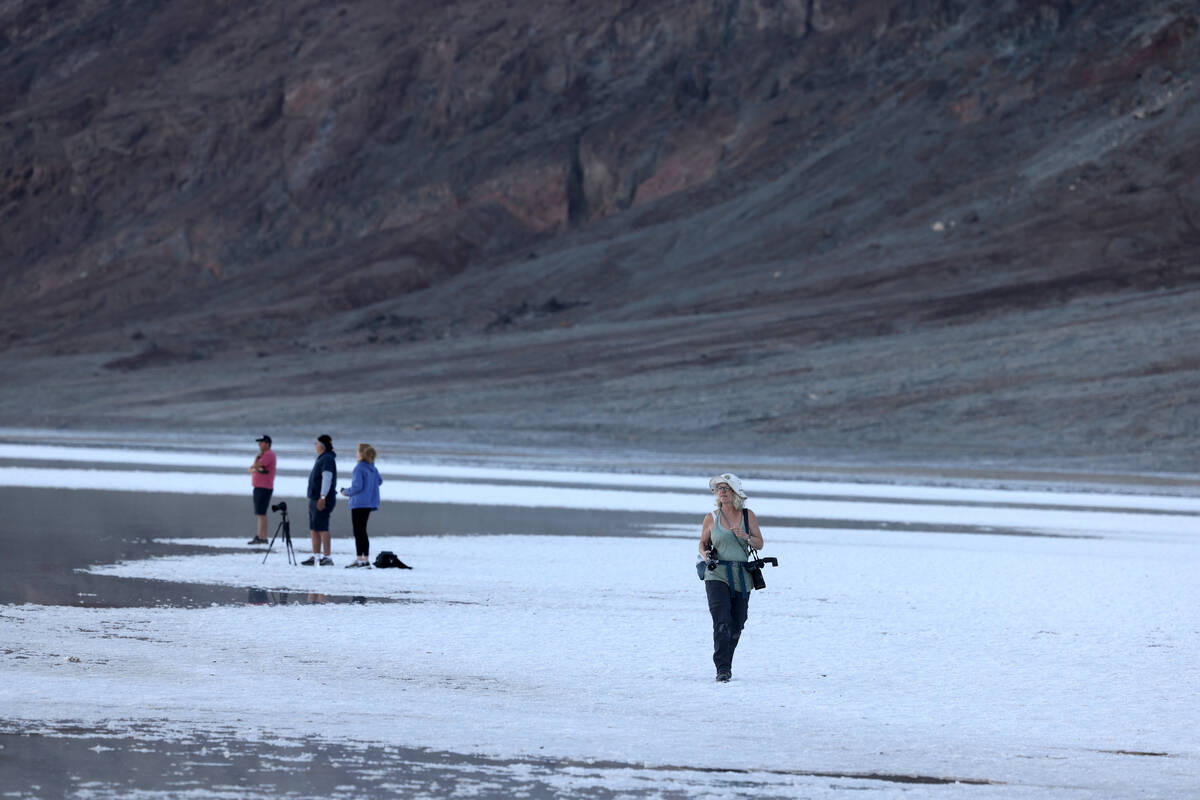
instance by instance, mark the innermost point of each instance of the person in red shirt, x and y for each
(262, 478)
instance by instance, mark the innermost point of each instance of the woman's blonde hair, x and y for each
(738, 502)
(367, 452)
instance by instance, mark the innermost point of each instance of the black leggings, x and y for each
(358, 518)
(729, 611)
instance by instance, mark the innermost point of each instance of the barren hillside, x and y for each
(888, 229)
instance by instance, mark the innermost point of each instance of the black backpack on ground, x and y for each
(387, 558)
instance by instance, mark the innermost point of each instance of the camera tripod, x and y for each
(286, 527)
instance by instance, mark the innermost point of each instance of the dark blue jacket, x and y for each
(326, 462)
(364, 489)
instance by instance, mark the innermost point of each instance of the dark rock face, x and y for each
(994, 205)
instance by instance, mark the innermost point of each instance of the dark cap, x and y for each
(325, 441)
(264, 438)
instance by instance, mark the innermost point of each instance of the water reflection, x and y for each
(256, 596)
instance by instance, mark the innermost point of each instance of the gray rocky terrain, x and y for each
(874, 232)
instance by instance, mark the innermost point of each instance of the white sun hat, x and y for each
(729, 478)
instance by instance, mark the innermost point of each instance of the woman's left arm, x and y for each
(756, 537)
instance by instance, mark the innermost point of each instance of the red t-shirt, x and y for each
(264, 480)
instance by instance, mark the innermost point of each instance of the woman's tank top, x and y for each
(732, 553)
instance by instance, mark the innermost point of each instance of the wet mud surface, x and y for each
(94, 765)
(84, 763)
(54, 534)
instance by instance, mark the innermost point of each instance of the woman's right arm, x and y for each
(706, 534)
(356, 483)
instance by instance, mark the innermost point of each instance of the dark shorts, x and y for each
(262, 499)
(319, 520)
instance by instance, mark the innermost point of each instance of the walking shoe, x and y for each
(326, 562)
(311, 561)
(354, 564)
(723, 677)
(257, 540)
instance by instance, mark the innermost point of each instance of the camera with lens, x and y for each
(710, 559)
(279, 507)
(754, 567)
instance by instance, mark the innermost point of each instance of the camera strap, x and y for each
(751, 553)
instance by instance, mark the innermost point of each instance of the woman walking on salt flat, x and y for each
(727, 535)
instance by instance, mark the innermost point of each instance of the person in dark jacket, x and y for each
(364, 498)
(322, 497)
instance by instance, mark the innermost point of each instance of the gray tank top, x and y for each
(729, 549)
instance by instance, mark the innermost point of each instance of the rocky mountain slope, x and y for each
(895, 229)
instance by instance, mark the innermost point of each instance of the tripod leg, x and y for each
(272, 542)
(287, 540)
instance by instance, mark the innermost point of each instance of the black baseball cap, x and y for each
(264, 438)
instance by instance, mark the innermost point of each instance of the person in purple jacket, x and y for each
(364, 498)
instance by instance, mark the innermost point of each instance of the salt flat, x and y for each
(1060, 662)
